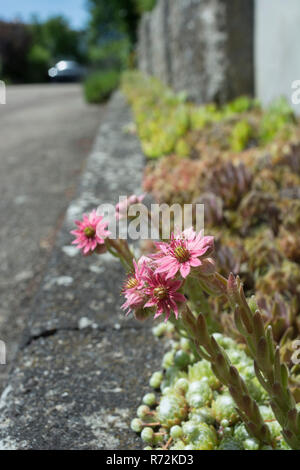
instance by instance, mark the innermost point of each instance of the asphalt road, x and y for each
(46, 133)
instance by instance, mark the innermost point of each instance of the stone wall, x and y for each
(159, 37)
(204, 47)
(144, 50)
(187, 48)
(277, 59)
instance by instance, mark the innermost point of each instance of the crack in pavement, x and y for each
(53, 331)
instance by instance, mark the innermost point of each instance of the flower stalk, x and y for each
(272, 374)
(209, 349)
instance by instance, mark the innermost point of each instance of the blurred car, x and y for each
(67, 71)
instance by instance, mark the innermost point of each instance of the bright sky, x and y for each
(74, 10)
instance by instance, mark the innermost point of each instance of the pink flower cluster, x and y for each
(145, 289)
(155, 284)
(152, 285)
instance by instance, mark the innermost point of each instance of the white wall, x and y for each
(277, 48)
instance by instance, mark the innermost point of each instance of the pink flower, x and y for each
(163, 294)
(123, 206)
(91, 233)
(133, 287)
(185, 250)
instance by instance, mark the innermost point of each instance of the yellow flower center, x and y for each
(160, 292)
(131, 283)
(181, 254)
(90, 232)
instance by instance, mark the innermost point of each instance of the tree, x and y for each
(107, 17)
(57, 37)
(39, 59)
(145, 5)
(15, 42)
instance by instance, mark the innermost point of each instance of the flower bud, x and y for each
(149, 399)
(182, 385)
(207, 268)
(176, 432)
(159, 330)
(100, 249)
(136, 425)
(147, 435)
(168, 360)
(156, 380)
(233, 290)
(252, 304)
(143, 411)
(141, 314)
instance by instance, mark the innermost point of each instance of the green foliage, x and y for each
(241, 134)
(39, 59)
(224, 408)
(229, 443)
(182, 148)
(199, 394)
(99, 85)
(172, 409)
(57, 37)
(165, 119)
(111, 54)
(200, 436)
(242, 104)
(145, 5)
(247, 191)
(27, 51)
(277, 118)
(109, 19)
(162, 116)
(198, 412)
(110, 37)
(203, 115)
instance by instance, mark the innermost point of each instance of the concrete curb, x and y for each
(82, 367)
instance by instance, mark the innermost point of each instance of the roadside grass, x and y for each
(99, 85)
